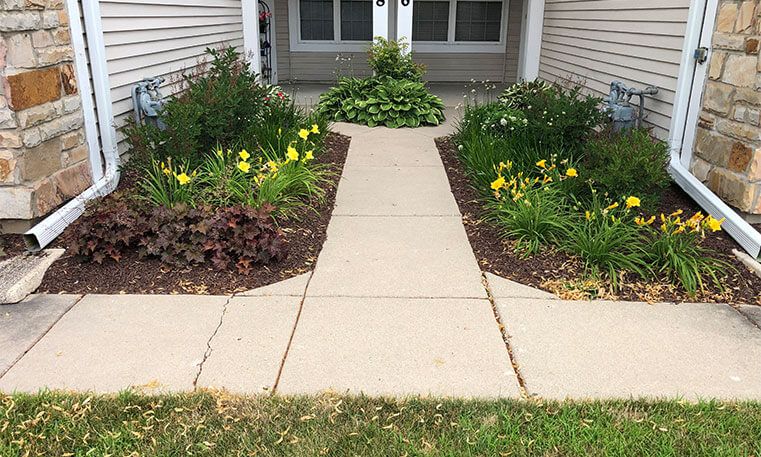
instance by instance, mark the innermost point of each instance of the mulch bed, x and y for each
(305, 236)
(11, 245)
(563, 275)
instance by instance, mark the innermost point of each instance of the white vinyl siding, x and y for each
(146, 38)
(598, 41)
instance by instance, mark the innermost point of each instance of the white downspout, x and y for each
(46, 231)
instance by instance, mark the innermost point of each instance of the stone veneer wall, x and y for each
(43, 153)
(728, 141)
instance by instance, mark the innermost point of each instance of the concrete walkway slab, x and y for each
(249, 347)
(109, 343)
(617, 349)
(409, 191)
(440, 347)
(22, 324)
(393, 148)
(291, 287)
(753, 313)
(397, 257)
(504, 288)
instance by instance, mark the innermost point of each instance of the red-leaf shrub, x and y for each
(236, 236)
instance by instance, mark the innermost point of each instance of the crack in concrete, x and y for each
(293, 333)
(745, 315)
(506, 338)
(208, 351)
(76, 302)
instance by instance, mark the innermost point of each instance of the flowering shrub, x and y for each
(519, 95)
(220, 102)
(390, 58)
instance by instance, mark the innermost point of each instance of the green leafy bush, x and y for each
(382, 101)
(219, 102)
(236, 236)
(628, 163)
(389, 58)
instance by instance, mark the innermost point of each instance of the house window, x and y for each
(478, 21)
(459, 25)
(330, 25)
(430, 20)
(316, 19)
(356, 20)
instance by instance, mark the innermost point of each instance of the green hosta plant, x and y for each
(383, 101)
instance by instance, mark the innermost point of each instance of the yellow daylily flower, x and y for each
(572, 173)
(542, 163)
(315, 128)
(713, 223)
(632, 201)
(498, 183)
(304, 134)
(244, 155)
(614, 205)
(272, 166)
(309, 155)
(588, 215)
(292, 155)
(183, 179)
(244, 166)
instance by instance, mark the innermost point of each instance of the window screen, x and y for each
(316, 19)
(430, 21)
(478, 21)
(356, 20)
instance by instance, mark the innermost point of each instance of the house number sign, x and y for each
(380, 2)
(405, 2)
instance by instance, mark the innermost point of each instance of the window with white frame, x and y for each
(331, 24)
(446, 25)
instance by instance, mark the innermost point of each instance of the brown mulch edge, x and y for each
(305, 236)
(560, 273)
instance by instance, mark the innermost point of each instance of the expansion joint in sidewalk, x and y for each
(293, 333)
(208, 351)
(506, 338)
(11, 365)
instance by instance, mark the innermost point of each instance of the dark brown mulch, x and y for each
(133, 275)
(559, 273)
(11, 245)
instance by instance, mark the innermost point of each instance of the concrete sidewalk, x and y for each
(396, 305)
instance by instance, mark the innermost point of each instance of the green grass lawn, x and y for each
(218, 424)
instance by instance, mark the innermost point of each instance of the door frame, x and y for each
(692, 78)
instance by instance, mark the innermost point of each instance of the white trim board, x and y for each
(687, 106)
(99, 69)
(76, 32)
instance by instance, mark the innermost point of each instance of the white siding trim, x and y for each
(99, 68)
(83, 84)
(250, 16)
(531, 39)
(404, 22)
(380, 18)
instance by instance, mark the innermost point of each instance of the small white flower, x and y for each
(503, 121)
